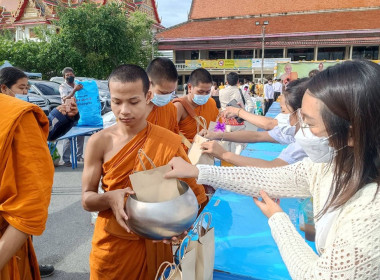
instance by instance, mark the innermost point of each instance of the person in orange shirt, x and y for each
(26, 177)
(163, 78)
(196, 104)
(111, 154)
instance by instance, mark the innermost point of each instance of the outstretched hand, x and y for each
(268, 205)
(181, 169)
(213, 148)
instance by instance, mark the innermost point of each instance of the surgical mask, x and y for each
(161, 99)
(22, 97)
(316, 148)
(284, 124)
(201, 99)
(70, 79)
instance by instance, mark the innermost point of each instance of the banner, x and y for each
(268, 62)
(299, 69)
(219, 64)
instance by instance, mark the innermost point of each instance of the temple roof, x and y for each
(201, 9)
(279, 26)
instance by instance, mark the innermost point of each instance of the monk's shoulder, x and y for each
(169, 109)
(102, 138)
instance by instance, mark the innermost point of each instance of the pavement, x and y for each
(66, 242)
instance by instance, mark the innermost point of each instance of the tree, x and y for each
(92, 39)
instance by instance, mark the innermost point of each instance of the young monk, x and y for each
(111, 154)
(198, 100)
(163, 79)
(26, 177)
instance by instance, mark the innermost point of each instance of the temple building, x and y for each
(224, 35)
(21, 16)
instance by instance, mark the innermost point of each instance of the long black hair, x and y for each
(350, 92)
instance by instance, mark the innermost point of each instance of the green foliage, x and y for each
(92, 40)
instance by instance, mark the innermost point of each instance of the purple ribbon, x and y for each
(220, 127)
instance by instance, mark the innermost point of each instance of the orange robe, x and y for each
(188, 126)
(165, 116)
(117, 254)
(26, 179)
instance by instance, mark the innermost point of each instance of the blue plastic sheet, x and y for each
(88, 103)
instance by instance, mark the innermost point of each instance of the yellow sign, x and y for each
(219, 64)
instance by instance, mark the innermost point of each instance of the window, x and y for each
(273, 53)
(48, 89)
(241, 54)
(194, 55)
(365, 52)
(301, 54)
(331, 53)
(216, 54)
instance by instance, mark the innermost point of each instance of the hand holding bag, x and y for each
(150, 185)
(195, 153)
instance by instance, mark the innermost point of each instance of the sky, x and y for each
(173, 12)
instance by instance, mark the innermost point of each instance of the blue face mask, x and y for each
(201, 99)
(161, 99)
(22, 97)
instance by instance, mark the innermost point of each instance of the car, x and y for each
(40, 102)
(48, 90)
(104, 93)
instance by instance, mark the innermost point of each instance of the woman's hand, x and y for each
(230, 112)
(181, 169)
(213, 148)
(268, 205)
(211, 134)
(116, 201)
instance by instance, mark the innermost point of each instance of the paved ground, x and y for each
(66, 242)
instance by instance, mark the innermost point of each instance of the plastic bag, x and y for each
(88, 103)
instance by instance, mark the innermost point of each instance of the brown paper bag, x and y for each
(174, 274)
(150, 185)
(187, 259)
(195, 154)
(205, 248)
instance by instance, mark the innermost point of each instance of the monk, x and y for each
(195, 104)
(26, 179)
(163, 79)
(118, 253)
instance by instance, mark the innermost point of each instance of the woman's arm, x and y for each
(286, 181)
(259, 121)
(10, 243)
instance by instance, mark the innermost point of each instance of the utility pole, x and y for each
(263, 25)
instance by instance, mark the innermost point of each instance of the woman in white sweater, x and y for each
(340, 133)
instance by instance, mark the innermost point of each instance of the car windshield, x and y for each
(48, 88)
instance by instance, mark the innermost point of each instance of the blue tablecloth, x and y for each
(244, 247)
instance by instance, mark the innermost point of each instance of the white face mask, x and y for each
(316, 148)
(284, 124)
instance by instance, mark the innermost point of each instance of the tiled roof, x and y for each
(227, 8)
(278, 26)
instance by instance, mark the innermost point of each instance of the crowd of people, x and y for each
(330, 123)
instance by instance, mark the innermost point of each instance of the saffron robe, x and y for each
(26, 180)
(164, 116)
(117, 254)
(188, 126)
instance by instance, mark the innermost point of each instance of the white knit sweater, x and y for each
(352, 248)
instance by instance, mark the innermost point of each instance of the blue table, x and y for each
(244, 247)
(72, 135)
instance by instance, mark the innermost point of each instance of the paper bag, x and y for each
(205, 248)
(150, 185)
(170, 271)
(195, 154)
(187, 258)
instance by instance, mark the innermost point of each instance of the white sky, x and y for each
(173, 12)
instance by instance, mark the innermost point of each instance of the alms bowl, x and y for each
(163, 220)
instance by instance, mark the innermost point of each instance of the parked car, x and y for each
(104, 93)
(48, 90)
(40, 102)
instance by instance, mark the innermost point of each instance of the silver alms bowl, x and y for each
(163, 220)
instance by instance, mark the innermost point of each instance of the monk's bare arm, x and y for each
(10, 243)
(180, 111)
(91, 199)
